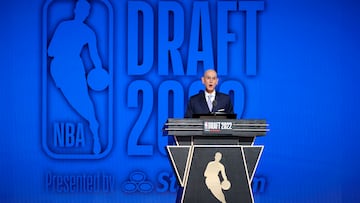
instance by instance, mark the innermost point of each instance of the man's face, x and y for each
(210, 80)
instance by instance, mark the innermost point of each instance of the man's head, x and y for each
(210, 80)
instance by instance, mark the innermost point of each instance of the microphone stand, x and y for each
(214, 103)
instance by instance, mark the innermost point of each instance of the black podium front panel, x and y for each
(217, 173)
(215, 159)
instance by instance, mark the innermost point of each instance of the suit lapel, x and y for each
(218, 102)
(203, 103)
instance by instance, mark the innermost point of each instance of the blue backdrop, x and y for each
(293, 63)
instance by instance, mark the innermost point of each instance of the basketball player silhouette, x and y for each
(67, 68)
(212, 179)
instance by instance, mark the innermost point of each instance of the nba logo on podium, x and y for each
(77, 79)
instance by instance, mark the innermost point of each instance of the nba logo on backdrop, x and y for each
(77, 82)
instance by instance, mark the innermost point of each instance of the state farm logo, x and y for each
(77, 74)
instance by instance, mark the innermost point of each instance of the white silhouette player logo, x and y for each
(212, 180)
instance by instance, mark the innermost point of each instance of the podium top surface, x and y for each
(213, 126)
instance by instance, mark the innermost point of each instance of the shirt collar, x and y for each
(207, 94)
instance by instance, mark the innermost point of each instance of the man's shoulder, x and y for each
(220, 94)
(198, 95)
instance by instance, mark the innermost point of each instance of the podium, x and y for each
(215, 158)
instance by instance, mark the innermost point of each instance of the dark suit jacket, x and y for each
(197, 104)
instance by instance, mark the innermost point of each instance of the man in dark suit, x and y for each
(210, 100)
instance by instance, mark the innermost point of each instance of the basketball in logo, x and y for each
(225, 185)
(98, 79)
